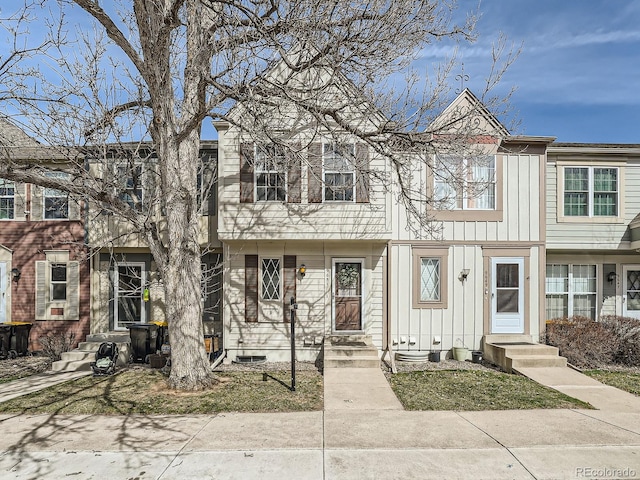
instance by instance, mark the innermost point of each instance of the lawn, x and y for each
(627, 381)
(475, 390)
(144, 391)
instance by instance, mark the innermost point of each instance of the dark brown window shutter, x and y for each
(251, 288)
(362, 173)
(289, 284)
(315, 173)
(246, 172)
(294, 174)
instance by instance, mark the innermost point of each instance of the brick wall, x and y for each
(28, 241)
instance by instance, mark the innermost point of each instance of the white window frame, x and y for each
(270, 161)
(261, 266)
(331, 151)
(571, 292)
(452, 190)
(123, 178)
(591, 191)
(58, 195)
(6, 185)
(53, 283)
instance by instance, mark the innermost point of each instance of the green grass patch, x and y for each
(627, 381)
(475, 390)
(146, 392)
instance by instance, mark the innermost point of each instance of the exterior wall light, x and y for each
(464, 274)
(302, 270)
(15, 273)
(612, 276)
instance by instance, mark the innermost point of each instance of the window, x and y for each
(271, 279)
(339, 175)
(571, 290)
(7, 200)
(58, 282)
(465, 183)
(270, 173)
(430, 277)
(130, 182)
(56, 202)
(590, 192)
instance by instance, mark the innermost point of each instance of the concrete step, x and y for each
(532, 361)
(337, 340)
(534, 349)
(117, 337)
(70, 366)
(370, 361)
(77, 355)
(350, 352)
(507, 338)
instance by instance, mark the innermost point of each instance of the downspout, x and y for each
(389, 337)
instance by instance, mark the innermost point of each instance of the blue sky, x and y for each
(578, 76)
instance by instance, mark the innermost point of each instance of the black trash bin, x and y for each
(163, 334)
(143, 341)
(5, 340)
(20, 337)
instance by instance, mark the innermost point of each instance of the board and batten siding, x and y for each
(270, 335)
(521, 191)
(591, 234)
(463, 319)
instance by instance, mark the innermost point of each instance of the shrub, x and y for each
(583, 341)
(55, 344)
(627, 330)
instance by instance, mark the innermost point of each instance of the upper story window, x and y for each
(270, 171)
(338, 172)
(591, 191)
(465, 183)
(7, 200)
(56, 202)
(130, 185)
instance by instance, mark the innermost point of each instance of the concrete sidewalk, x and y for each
(363, 433)
(33, 383)
(334, 444)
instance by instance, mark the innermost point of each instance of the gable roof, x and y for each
(12, 136)
(466, 111)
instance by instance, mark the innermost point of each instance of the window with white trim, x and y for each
(571, 290)
(591, 191)
(271, 284)
(130, 185)
(58, 282)
(270, 171)
(465, 183)
(338, 172)
(56, 202)
(7, 199)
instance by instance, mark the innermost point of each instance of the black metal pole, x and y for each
(294, 305)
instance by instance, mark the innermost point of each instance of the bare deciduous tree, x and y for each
(156, 69)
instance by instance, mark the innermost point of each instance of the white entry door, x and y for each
(631, 294)
(4, 291)
(129, 283)
(507, 295)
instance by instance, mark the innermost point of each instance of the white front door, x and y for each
(4, 291)
(507, 295)
(631, 293)
(129, 284)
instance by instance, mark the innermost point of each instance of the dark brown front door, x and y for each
(348, 296)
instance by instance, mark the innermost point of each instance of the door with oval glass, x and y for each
(507, 295)
(129, 283)
(347, 295)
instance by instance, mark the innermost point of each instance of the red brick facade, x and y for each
(28, 241)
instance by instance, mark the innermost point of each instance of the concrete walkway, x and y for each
(33, 383)
(363, 433)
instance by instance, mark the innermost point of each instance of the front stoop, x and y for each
(81, 358)
(350, 351)
(512, 352)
